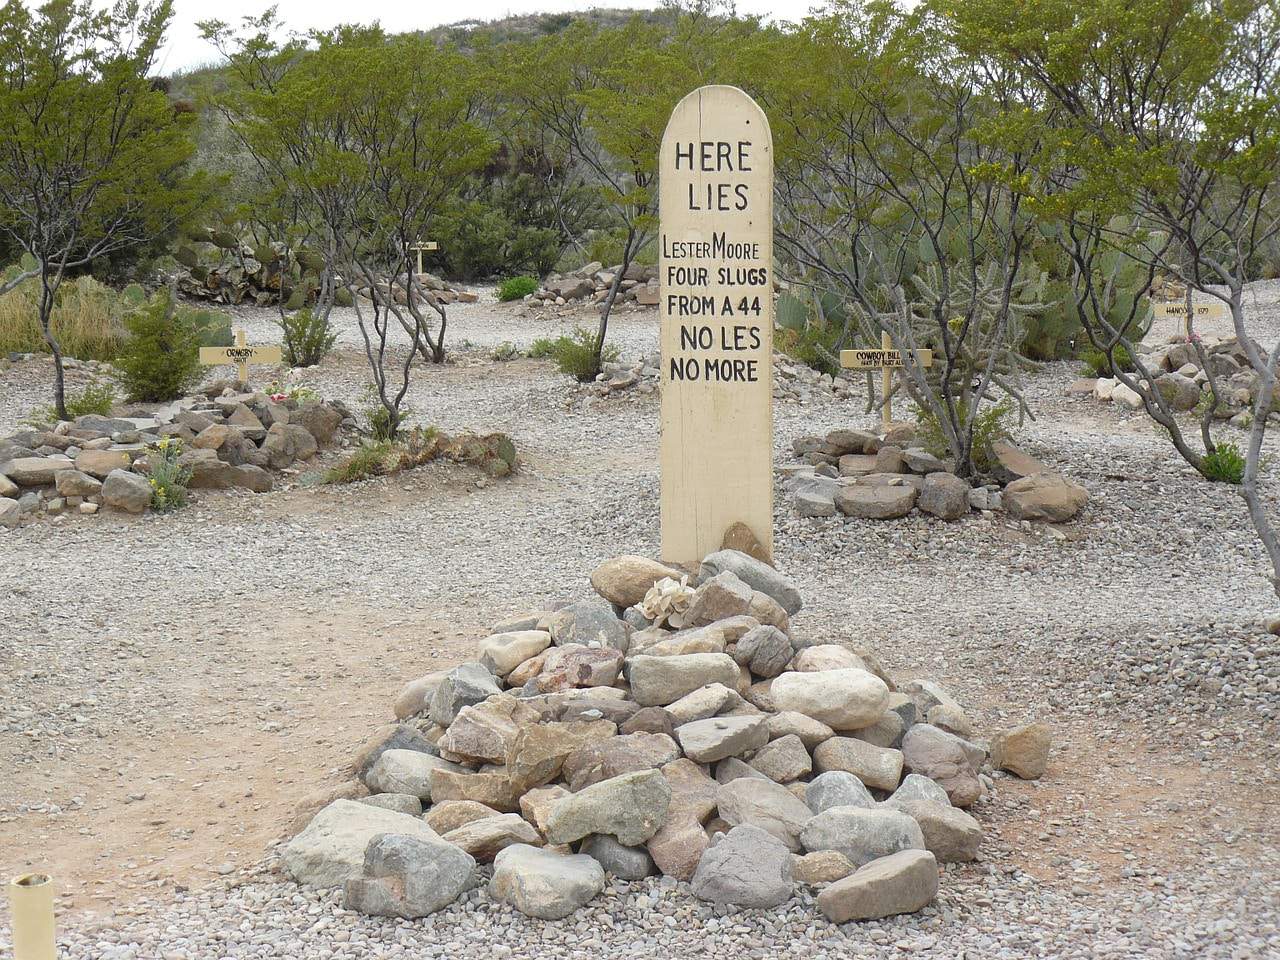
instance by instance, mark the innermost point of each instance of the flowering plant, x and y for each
(167, 478)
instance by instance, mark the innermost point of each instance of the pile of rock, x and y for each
(231, 440)
(591, 284)
(884, 476)
(442, 290)
(1182, 381)
(674, 725)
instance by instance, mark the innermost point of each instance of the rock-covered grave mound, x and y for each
(232, 438)
(884, 476)
(675, 725)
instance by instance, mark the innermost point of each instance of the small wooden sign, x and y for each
(241, 355)
(715, 305)
(866, 359)
(1213, 310)
(884, 359)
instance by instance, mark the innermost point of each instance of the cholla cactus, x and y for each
(666, 601)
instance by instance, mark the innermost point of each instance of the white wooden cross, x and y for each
(241, 355)
(420, 246)
(886, 359)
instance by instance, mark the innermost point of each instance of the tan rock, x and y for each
(492, 789)
(822, 866)
(485, 837)
(452, 814)
(537, 752)
(536, 805)
(1023, 750)
(626, 579)
(678, 846)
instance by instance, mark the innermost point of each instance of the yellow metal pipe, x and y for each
(31, 906)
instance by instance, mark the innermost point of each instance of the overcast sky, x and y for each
(186, 49)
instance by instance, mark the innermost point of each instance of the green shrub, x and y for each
(1225, 464)
(574, 355)
(516, 288)
(213, 327)
(988, 427)
(369, 460)
(307, 337)
(168, 480)
(542, 348)
(96, 398)
(160, 358)
(1096, 365)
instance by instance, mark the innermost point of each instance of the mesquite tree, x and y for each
(1171, 111)
(369, 136)
(94, 156)
(890, 197)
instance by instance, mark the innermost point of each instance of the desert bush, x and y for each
(372, 459)
(505, 351)
(988, 425)
(1224, 464)
(168, 480)
(576, 354)
(516, 288)
(307, 336)
(1096, 363)
(96, 398)
(160, 359)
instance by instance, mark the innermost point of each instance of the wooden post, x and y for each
(886, 382)
(31, 908)
(421, 246)
(885, 359)
(715, 305)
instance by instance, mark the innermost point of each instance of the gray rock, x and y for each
(943, 758)
(588, 622)
(745, 867)
(1046, 497)
(406, 771)
(405, 803)
(34, 471)
(706, 741)
(944, 495)
(921, 461)
(814, 502)
(764, 804)
(408, 876)
(732, 768)
(126, 491)
(755, 574)
(630, 807)
(658, 681)
(876, 502)
(878, 767)
(810, 731)
(73, 483)
(915, 787)
(951, 835)
(783, 760)
(837, 788)
(543, 884)
(463, 686)
(860, 834)
(708, 701)
(331, 849)
(765, 651)
(719, 598)
(626, 863)
(903, 882)
(10, 513)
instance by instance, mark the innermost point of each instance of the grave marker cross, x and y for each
(886, 359)
(241, 354)
(421, 246)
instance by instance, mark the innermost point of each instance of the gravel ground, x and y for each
(170, 693)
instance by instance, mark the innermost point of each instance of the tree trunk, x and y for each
(46, 321)
(628, 251)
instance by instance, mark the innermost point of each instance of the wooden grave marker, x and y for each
(886, 360)
(422, 246)
(715, 277)
(1212, 310)
(241, 355)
